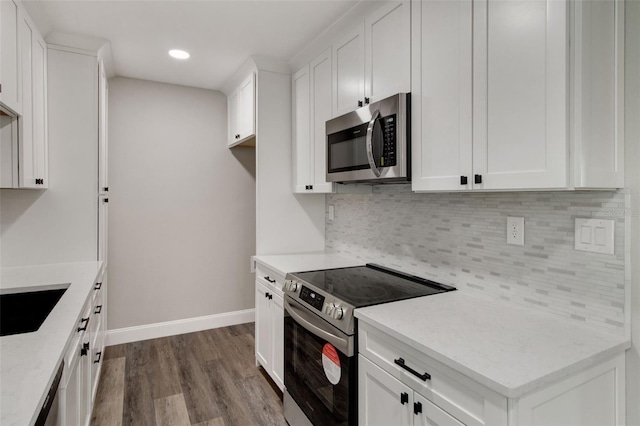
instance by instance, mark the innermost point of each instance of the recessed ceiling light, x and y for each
(179, 54)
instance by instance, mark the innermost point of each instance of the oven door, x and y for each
(319, 370)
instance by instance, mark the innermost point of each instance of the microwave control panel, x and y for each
(388, 125)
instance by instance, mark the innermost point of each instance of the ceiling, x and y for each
(219, 34)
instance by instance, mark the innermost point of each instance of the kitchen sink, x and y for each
(26, 311)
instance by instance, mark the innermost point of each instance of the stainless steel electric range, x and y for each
(320, 362)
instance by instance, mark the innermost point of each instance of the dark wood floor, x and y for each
(208, 378)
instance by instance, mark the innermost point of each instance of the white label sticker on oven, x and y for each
(331, 363)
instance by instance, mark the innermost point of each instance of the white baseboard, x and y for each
(171, 328)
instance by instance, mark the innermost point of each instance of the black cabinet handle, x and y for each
(85, 349)
(98, 286)
(98, 309)
(463, 180)
(404, 398)
(268, 278)
(310, 186)
(86, 324)
(477, 179)
(417, 408)
(400, 362)
(266, 295)
(97, 361)
(105, 200)
(270, 296)
(105, 189)
(359, 103)
(366, 101)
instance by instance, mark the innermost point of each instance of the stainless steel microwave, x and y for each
(372, 143)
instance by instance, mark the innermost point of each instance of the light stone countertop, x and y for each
(509, 349)
(28, 362)
(285, 263)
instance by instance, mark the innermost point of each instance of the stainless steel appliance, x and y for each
(372, 143)
(320, 362)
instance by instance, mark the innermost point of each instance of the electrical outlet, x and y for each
(515, 230)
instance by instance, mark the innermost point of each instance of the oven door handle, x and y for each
(372, 162)
(304, 318)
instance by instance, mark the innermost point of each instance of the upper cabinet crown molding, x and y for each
(499, 108)
(253, 64)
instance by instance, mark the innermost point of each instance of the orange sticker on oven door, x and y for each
(331, 363)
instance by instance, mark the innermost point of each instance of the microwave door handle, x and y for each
(372, 161)
(298, 314)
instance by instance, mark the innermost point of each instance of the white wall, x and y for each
(181, 206)
(632, 170)
(60, 224)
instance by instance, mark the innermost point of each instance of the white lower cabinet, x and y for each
(398, 385)
(270, 325)
(83, 361)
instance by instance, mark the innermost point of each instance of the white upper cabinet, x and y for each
(373, 60)
(516, 95)
(348, 71)
(311, 102)
(103, 132)
(241, 110)
(388, 51)
(10, 73)
(32, 140)
(301, 102)
(520, 94)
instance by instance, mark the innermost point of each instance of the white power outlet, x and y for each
(515, 230)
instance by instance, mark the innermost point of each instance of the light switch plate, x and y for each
(594, 235)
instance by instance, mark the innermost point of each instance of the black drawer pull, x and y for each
(268, 278)
(425, 376)
(99, 358)
(84, 350)
(417, 408)
(98, 286)
(404, 398)
(463, 180)
(86, 324)
(98, 309)
(477, 179)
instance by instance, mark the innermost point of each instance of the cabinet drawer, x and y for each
(458, 395)
(269, 277)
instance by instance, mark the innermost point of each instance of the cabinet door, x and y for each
(103, 141)
(232, 111)
(39, 108)
(246, 108)
(388, 51)
(70, 389)
(382, 399)
(263, 327)
(348, 71)
(520, 94)
(442, 95)
(429, 414)
(302, 154)
(10, 58)
(277, 326)
(320, 76)
(103, 228)
(26, 149)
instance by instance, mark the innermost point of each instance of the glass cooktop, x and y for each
(372, 284)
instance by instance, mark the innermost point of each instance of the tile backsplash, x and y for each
(460, 239)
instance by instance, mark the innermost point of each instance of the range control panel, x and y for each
(312, 298)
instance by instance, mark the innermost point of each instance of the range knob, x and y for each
(337, 313)
(291, 285)
(329, 308)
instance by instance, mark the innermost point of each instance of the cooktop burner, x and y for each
(368, 285)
